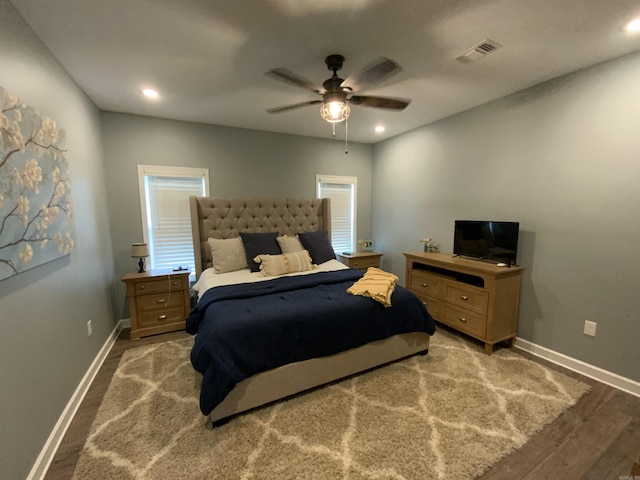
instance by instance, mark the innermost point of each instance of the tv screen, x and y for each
(485, 240)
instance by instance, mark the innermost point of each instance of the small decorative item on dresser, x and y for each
(140, 250)
(365, 245)
(430, 245)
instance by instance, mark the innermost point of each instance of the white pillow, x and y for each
(274, 265)
(289, 244)
(227, 254)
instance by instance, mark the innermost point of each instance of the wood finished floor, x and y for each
(599, 438)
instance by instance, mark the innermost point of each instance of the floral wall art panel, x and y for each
(36, 218)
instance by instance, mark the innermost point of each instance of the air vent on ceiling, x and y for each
(479, 51)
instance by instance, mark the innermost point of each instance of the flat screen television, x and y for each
(486, 240)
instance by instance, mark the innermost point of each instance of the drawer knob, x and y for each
(175, 282)
(162, 300)
(462, 319)
(141, 287)
(464, 297)
(162, 317)
(425, 285)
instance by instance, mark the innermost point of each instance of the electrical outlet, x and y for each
(89, 328)
(590, 328)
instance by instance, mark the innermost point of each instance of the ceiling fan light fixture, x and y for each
(338, 94)
(335, 111)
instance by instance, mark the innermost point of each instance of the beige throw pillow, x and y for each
(289, 244)
(227, 254)
(274, 265)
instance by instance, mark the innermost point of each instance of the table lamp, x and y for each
(140, 250)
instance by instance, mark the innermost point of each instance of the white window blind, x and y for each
(342, 192)
(164, 197)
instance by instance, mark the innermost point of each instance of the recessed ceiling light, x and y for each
(380, 129)
(633, 25)
(148, 92)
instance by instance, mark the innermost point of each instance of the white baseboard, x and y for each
(603, 376)
(50, 448)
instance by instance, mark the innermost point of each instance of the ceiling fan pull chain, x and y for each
(346, 135)
(334, 129)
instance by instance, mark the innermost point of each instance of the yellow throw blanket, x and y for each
(376, 284)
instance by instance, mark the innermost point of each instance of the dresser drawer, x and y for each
(160, 300)
(434, 307)
(468, 298)
(160, 317)
(425, 284)
(159, 285)
(466, 321)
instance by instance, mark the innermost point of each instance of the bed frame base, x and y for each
(288, 380)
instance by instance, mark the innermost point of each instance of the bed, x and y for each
(279, 376)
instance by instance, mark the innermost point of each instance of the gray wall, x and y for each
(241, 163)
(561, 158)
(44, 347)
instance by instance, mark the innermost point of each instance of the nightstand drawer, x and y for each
(159, 285)
(360, 260)
(364, 262)
(465, 321)
(160, 300)
(472, 299)
(161, 317)
(422, 283)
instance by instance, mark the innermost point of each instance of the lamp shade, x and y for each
(139, 250)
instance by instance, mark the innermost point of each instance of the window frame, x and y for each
(165, 171)
(345, 180)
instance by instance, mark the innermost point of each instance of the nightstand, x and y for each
(362, 260)
(158, 301)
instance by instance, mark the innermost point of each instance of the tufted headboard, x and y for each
(226, 218)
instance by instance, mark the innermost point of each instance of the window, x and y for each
(166, 220)
(342, 192)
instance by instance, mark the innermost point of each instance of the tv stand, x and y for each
(477, 298)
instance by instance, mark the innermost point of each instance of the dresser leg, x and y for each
(488, 348)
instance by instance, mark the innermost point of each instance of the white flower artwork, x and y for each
(36, 218)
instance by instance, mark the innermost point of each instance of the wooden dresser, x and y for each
(158, 301)
(362, 260)
(474, 297)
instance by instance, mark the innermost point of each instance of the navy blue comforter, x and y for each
(246, 329)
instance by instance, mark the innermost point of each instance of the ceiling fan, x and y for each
(337, 93)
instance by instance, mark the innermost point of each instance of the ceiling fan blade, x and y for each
(291, 78)
(291, 107)
(372, 74)
(380, 102)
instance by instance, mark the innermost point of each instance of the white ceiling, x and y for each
(208, 58)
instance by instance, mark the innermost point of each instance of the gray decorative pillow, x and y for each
(228, 254)
(289, 244)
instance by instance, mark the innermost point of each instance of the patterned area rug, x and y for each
(448, 415)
